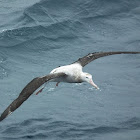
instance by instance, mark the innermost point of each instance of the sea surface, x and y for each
(39, 35)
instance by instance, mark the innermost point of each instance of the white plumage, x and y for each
(74, 74)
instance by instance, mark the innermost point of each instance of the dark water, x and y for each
(37, 36)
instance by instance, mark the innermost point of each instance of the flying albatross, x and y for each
(69, 73)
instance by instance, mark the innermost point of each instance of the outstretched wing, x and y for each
(92, 56)
(27, 91)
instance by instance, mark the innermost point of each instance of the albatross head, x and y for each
(88, 78)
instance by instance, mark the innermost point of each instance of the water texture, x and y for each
(37, 36)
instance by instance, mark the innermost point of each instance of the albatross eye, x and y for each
(86, 77)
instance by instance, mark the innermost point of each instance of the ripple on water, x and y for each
(48, 128)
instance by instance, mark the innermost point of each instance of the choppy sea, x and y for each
(39, 35)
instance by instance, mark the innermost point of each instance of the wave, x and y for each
(56, 11)
(43, 128)
(15, 36)
(133, 123)
(53, 33)
(51, 11)
(51, 19)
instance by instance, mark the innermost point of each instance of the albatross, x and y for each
(71, 73)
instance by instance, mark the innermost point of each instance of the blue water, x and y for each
(37, 36)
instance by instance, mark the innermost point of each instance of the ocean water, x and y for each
(39, 35)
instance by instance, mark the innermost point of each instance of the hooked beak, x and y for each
(93, 84)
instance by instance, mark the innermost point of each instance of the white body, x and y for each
(74, 74)
(73, 71)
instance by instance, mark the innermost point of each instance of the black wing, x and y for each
(27, 91)
(92, 56)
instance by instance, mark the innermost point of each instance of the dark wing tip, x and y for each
(12, 107)
(5, 113)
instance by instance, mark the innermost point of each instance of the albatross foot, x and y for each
(39, 91)
(57, 84)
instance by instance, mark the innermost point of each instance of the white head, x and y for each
(86, 77)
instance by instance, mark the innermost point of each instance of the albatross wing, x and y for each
(27, 91)
(92, 56)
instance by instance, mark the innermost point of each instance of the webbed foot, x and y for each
(39, 91)
(57, 84)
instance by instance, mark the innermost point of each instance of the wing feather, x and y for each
(28, 91)
(92, 56)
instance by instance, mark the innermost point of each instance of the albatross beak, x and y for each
(93, 84)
